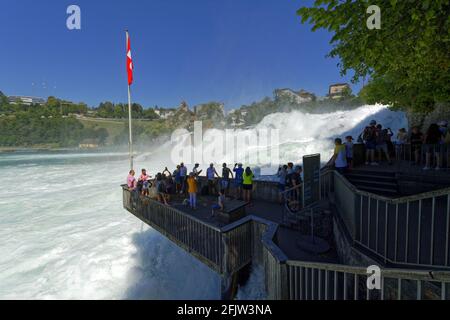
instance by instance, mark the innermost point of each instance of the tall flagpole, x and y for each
(130, 141)
(130, 128)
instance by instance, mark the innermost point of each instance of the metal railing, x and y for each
(262, 190)
(226, 250)
(412, 230)
(318, 281)
(299, 280)
(238, 241)
(273, 260)
(293, 197)
(326, 183)
(438, 154)
(198, 238)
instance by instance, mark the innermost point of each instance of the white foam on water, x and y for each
(65, 235)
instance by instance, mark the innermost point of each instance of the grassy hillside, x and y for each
(143, 130)
(113, 127)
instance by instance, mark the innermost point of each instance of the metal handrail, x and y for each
(125, 187)
(292, 189)
(423, 275)
(280, 261)
(416, 197)
(411, 254)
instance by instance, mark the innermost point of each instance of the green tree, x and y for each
(408, 59)
(150, 114)
(3, 100)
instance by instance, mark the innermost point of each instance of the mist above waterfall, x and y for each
(65, 234)
(298, 134)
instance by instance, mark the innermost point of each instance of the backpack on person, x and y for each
(360, 139)
(369, 134)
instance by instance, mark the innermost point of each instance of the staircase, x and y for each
(378, 182)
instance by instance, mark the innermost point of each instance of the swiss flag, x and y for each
(129, 61)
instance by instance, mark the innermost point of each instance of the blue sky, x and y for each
(233, 51)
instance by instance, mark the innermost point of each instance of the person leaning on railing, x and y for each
(401, 140)
(211, 173)
(197, 170)
(132, 186)
(131, 181)
(239, 171)
(339, 158)
(192, 190)
(247, 184)
(161, 189)
(349, 151)
(144, 182)
(282, 177)
(225, 182)
(183, 177)
(416, 141)
(445, 148)
(177, 179)
(369, 138)
(383, 136)
(169, 182)
(433, 140)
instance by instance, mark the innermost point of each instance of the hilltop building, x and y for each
(183, 106)
(210, 109)
(338, 90)
(165, 113)
(293, 97)
(26, 100)
(89, 144)
(236, 118)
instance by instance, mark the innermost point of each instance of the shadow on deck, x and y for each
(287, 238)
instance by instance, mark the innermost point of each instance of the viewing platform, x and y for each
(404, 232)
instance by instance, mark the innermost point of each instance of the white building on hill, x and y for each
(26, 100)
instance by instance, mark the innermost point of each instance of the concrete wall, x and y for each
(348, 255)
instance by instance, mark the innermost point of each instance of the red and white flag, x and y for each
(129, 61)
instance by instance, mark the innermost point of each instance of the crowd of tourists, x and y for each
(383, 143)
(236, 183)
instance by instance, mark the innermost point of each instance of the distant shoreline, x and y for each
(19, 149)
(53, 149)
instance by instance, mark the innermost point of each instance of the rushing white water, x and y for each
(64, 233)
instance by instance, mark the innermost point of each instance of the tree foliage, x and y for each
(120, 111)
(24, 130)
(408, 59)
(31, 125)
